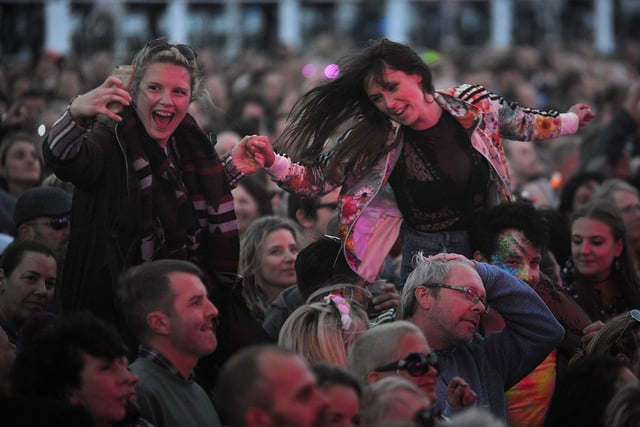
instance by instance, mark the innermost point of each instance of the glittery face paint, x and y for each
(516, 255)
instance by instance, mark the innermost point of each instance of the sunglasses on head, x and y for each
(159, 45)
(417, 364)
(634, 317)
(60, 223)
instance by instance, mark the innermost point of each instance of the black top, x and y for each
(439, 179)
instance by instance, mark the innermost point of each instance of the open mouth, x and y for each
(162, 119)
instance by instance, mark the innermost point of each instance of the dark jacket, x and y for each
(106, 215)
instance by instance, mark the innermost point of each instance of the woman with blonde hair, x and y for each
(268, 251)
(619, 338)
(324, 331)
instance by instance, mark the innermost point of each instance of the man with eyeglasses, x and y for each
(42, 214)
(312, 215)
(446, 296)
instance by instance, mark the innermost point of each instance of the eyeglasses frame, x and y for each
(468, 293)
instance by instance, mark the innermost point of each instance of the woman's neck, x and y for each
(16, 188)
(269, 290)
(430, 117)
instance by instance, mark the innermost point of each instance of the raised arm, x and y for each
(531, 330)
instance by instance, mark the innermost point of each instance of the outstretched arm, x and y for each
(584, 113)
(253, 153)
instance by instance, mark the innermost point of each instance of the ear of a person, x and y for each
(258, 417)
(159, 322)
(26, 232)
(424, 297)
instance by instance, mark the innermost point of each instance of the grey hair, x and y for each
(376, 347)
(380, 399)
(426, 272)
(611, 186)
(474, 417)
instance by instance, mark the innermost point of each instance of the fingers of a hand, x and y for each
(469, 398)
(385, 301)
(595, 326)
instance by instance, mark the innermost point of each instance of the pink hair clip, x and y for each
(343, 308)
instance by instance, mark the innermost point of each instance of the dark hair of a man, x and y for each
(241, 384)
(520, 215)
(328, 375)
(145, 288)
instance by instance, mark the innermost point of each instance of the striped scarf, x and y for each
(186, 202)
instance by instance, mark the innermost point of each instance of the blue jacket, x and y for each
(495, 363)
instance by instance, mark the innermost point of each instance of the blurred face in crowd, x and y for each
(162, 99)
(593, 248)
(327, 204)
(294, 398)
(629, 205)
(105, 388)
(583, 193)
(413, 343)
(246, 207)
(277, 257)
(407, 406)
(21, 163)
(344, 406)
(53, 232)
(516, 255)
(28, 289)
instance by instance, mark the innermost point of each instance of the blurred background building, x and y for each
(29, 28)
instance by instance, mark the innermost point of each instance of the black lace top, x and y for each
(439, 179)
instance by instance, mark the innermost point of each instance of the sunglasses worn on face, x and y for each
(160, 45)
(634, 316)
(55, 223)
(469, 293)
(427, 417)
(417, 364)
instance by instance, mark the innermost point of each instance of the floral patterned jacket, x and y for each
(369, 216)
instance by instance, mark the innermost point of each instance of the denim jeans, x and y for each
(414, 241)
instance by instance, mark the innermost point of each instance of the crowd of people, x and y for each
(403, 243)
